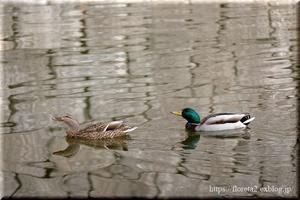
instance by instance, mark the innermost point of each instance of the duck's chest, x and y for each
(192, 127)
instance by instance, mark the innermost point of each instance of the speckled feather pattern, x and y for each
(100, 126)
(96, 135)
(95, 127)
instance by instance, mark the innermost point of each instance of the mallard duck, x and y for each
(96, 131)
(214, 122)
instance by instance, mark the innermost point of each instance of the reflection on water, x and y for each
(74, 145)
(138, 62)
(191, 141)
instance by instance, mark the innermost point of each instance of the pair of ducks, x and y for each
(102, 130)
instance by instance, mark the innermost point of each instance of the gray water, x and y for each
(138, 62)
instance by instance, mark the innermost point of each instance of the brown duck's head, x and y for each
(63, 118)
(69, 120)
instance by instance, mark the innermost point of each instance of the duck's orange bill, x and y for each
(177, 113)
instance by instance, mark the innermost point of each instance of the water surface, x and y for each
(138, 62)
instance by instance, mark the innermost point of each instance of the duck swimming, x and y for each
(96, 131)
(214, 122)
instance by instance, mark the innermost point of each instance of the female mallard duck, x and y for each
(214, 122)
(96, 131)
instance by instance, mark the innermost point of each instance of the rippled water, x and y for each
(138, 62)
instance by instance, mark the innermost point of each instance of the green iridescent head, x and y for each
(189, 114)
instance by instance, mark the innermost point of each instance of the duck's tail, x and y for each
(130, 129)
(247, 119)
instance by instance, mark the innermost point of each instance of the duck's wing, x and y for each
(114, 125)
(103, 126)
(98, 126)
(222, 118)
(117, 132)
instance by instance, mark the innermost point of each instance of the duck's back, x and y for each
(99, 126)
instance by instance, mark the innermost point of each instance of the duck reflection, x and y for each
(109, 144)
(191, 141)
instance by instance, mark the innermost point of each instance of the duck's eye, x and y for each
(67, 116)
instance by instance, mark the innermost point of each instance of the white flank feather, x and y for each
(249, 120)
(131, 129)
(113, 125)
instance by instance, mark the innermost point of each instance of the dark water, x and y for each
(138, 62)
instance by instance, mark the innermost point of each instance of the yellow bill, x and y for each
(177, 113)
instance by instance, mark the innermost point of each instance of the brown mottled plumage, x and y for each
(96, 131)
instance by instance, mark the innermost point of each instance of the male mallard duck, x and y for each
(96, 131)
(214, 122)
